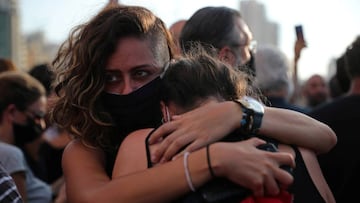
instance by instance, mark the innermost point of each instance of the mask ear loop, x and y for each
(168, 117)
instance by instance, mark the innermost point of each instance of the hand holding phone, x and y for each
(300, 41)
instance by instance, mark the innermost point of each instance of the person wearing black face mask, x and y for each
(27, 136)
(22, 100)
(126, 109)
(26, 133)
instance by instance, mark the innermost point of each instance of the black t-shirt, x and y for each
(343, 116)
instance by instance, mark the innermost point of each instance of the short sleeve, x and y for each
(12, 158)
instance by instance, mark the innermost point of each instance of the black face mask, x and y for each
(26, 133)
(137, 110)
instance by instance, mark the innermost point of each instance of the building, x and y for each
(264, 31)
(11, 41)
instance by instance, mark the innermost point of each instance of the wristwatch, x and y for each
(253, 112)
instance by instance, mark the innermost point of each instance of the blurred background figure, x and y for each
(225, 30)
(315, 91)
(53, 140)
(6, 65)
(22, 107)
(273, 77)
(175, 30)
(340, 166)
(339, 83)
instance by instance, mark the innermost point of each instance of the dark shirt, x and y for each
(343, 116)
(280, 102)
(51, 159)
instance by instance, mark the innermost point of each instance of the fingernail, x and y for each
(154, 158)
(150, 141)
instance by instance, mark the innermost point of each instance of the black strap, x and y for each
(148, 155)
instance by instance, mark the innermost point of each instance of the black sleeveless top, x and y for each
(222, 190)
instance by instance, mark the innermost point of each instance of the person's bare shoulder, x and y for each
(131, 156)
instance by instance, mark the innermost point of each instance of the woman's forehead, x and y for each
(131, 52)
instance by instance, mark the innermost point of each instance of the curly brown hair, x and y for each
(80, 68)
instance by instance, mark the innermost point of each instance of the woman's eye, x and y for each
(141, 73)
(112, 78)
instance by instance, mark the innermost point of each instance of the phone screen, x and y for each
(299, 32)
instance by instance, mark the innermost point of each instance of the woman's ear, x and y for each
(227, 55)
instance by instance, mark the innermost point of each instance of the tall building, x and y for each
(11, 42)
(264, 31)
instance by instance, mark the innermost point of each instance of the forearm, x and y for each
(162, 183)
(292, 127)
(166, 182)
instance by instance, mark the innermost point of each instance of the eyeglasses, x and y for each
(251, 45)
(36, 115)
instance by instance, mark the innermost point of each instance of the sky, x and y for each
(329, 25)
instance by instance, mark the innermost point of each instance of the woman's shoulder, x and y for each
(137, 135)
(135, 141)
(77, 150)
(9, 149)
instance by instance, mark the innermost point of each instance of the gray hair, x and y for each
(272, 70)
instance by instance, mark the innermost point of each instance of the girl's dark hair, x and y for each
(199, 75)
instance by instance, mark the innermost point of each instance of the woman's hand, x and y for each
(195, 129)
(250, 167)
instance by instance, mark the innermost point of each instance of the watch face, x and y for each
(253, 104)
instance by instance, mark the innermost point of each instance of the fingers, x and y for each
(171, 146)
(162, 131)
(271, 186)
(256, 141)
(175, 141)
(197, 144)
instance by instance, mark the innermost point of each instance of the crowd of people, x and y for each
(192, 111)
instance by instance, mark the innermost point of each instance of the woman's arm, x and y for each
(20, 182)
(292, 127)
(211, 122)
(86, 179)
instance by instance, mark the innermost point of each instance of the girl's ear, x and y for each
(227, 55)
(164, 112)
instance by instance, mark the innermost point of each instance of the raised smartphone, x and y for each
(299, 32)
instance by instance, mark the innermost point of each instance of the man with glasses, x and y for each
(224, 29)
(22, 108)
